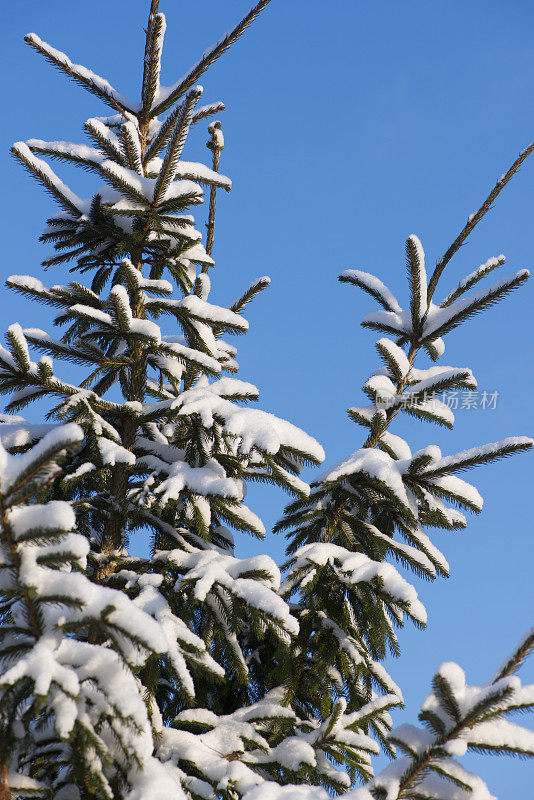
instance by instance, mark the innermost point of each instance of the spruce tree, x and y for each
(190, 672)
(72, 711)
(373, 507)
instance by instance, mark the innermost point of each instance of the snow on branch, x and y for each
(354, 570)
(65, 687)
(373, 286)
(40, 170)
(167, 96)
(152, 61)
(457, 718)
(254, 428)
(477, 455)
(85, 77)
(126, 180)
(250, 292)
(442, 320)
(473, 278)
(415, 264)
(475, 218)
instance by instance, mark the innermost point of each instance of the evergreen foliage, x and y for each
(374, 506)
(72, 712)
(190, 672)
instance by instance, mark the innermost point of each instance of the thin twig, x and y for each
(474, 219)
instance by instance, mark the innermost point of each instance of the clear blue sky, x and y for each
(350, 125)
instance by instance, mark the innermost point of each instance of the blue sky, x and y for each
(349, 126)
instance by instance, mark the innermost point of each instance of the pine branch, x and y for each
(175, 147)
(493, 705)
(471, 279)
(39, 170)
(207, 111)
(448, 319)
(105, 139)
(131, 147)
(474, 219)
(512, 664)
(255, 288)
(373, 286)
(479, 455)
(207, 60)
(88, 80)
(216, 145)
(415, 265)
(152, 60)
(354, 495)
(164, 133)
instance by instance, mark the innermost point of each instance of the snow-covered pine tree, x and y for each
(166, 448)
(457, 718)
(168, 443)
(374, 505)
(72, 711)
(212, 661)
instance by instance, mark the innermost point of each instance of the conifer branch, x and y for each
(522, 651)
(154, 6)
(417, 280)
(131, 147)
(474, 219)
(463, 309)
(88, 80)
(207, 111)
(472, 279)
(208, 59)
(105, 140)
(479, 455)
(175, 147)
(373, 286)
(164, 133)
(338, 504)
(152, 59)
(47, 177)
(216, 145)
(255, 287)
(493, 705)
